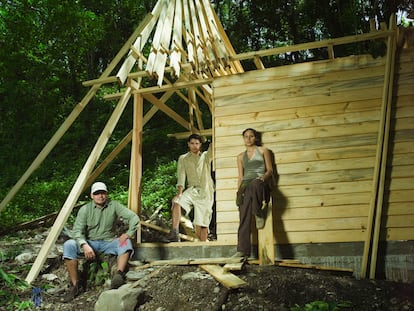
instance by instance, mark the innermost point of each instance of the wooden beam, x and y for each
(314, 45)
(176, 44)
(77, 188)
(378, 162)
(238, 266)
(184, 135)
(258, 62)
(135, 174)
(196, 261)
(144, 29)
(307, 266)
(156, 39)
(227, 279)
(167, 110)
(266, 240)
(387, 97)
(175, 86)
(161, 229)
(161, 57)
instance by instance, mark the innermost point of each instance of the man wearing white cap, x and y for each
(92, 233)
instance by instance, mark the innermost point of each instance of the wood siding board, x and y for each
(247, 103)
(310, 84)
(289, 114)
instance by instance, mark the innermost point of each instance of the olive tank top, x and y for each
(255, 167)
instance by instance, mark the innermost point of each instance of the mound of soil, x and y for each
(182, 288)
(188, 287)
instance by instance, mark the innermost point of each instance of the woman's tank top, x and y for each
(254, 167)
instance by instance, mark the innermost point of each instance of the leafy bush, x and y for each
(158, 188)
(40, 198)
(10, 287)
(34, 200)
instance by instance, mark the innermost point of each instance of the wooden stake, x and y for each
(266, 240)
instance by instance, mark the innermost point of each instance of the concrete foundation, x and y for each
(395, 260)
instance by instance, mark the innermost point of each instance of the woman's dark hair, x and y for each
(257, 134)
(195, 136)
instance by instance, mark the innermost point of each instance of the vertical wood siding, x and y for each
(321, 121)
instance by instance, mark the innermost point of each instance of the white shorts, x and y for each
(196, 198)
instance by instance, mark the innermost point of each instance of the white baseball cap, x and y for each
(98, 186)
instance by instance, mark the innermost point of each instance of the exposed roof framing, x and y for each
(180, 47)
(187, 37)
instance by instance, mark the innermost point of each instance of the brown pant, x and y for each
(255, 193)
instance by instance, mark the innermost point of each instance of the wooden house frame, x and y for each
(329, 190)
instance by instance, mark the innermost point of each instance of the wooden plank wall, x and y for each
(321, 121)
(398, 219)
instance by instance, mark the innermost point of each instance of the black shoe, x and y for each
(117, 280)
(173, 236)
(72, 293)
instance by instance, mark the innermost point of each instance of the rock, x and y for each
(49, 276)
(134, 275)
(24, 258)
(124, 298)
(195, 275)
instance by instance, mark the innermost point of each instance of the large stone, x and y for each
(124, 298)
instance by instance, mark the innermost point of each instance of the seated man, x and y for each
(92, 233)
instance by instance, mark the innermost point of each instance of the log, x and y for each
(199, 261)
(306, 266)
(158, 228)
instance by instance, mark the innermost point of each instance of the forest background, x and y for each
(49, 47)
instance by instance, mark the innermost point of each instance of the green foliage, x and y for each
(322, 306)
(98, 274)
(36, 199)
(158, 188)
(11, 287)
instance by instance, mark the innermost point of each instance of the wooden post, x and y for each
(77, 187)
(376, 192)
(266, 240)
(388, 94)
(134, 197)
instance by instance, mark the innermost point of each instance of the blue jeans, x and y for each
(71, 249)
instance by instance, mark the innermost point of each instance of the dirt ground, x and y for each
(268, 288)
(188, 287)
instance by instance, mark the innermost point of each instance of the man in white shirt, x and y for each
(195, 189)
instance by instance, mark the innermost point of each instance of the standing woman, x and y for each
(254, 169)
